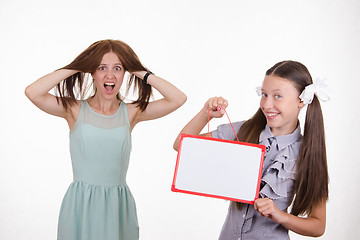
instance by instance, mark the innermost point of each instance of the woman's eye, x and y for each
(117, 68)
(101, 68)
(277, 96)
(264, 95)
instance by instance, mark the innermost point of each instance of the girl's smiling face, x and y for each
(280, 104)
(109, 75)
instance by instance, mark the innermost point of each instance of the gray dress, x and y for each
(277, 181)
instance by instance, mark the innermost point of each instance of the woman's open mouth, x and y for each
(109, 87)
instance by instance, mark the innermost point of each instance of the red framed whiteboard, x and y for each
(218, 168)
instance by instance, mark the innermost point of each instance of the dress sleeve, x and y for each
(225, 131)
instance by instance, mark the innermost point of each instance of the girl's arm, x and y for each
(173, 99)
(195, 126)
(313, 225)
(38, 92)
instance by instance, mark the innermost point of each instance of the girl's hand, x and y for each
(267, 208)
(216, 107)
(313, 225)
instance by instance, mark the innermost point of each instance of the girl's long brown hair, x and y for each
(311, 181)
(89, 60)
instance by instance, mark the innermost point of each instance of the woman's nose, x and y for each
(109, 74)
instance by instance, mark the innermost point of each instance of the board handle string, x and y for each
(219, 108)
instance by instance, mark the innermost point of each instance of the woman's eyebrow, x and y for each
(110, 64)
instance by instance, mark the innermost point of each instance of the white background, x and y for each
(206, 48)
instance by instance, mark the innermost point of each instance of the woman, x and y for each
(99, 204)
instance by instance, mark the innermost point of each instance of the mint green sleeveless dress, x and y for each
(98, 205)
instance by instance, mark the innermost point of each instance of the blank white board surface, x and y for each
(218, 168)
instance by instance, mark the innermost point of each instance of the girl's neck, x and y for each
(286, 131)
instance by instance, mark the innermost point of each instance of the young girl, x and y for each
(295, 167)
(99, 204)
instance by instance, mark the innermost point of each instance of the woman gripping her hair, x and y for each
(98, 204)
(295, 166)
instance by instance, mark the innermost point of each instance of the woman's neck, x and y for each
(104, 106)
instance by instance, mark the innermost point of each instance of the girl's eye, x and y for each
(264, 95)
(101, 68)
(117, 68)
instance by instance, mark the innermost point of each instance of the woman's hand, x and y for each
(215, 107)
(267, 208)
(172, 99)
(139, 74)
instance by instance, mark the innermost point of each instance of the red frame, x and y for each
(262, 147)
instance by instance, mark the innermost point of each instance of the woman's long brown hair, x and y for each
(89, 60)
(311, 181)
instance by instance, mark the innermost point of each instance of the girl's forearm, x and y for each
(313, 225)
(309, 226)
(214, 107)
(193, 127)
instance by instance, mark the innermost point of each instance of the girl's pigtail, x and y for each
(311, 184)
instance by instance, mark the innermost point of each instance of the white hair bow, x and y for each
(318, 88)
(258, 90)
